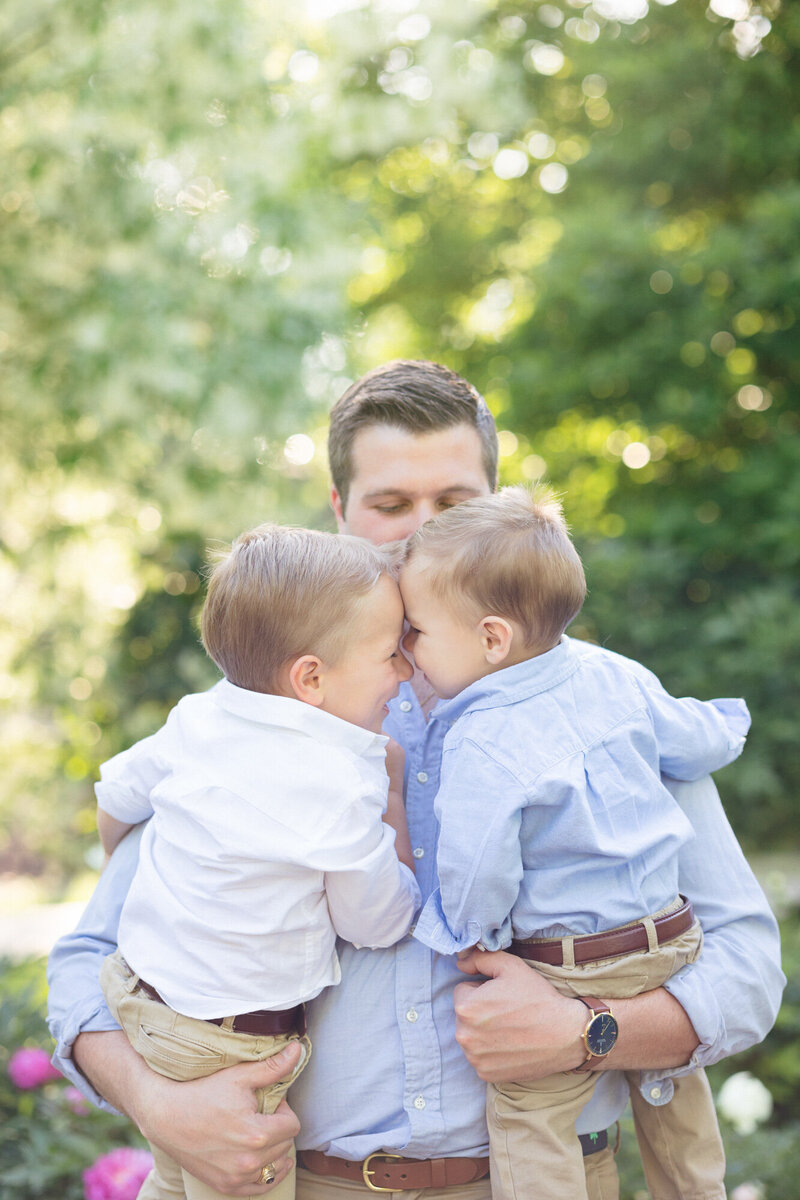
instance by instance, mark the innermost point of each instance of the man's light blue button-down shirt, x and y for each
(386, 1072)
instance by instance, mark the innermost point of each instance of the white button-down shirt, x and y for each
(266, 841)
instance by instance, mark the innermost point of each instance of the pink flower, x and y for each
(118, 1175)
(75, 1101)
(30, 1067)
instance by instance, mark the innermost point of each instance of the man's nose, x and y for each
(423, 511)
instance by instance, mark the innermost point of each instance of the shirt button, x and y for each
(419, 1102)
(412, 1015)
(422, 777)
(405, 706)
(418, 852)
(655, 1093)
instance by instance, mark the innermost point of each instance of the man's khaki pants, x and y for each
(186, 1048)
(532, 1143)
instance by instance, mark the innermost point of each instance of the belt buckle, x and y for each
(365, 1171)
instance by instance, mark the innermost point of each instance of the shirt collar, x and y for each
(267, 709)
(512, 684)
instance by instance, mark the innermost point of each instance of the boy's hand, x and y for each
(395, 814)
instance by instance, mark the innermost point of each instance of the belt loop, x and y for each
(438, 1173)
(227, 1023)
(652, 936)
(568, 952)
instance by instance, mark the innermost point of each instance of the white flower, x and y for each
(745, 1102)
(748, 1191)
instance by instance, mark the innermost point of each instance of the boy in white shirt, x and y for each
(558, 840)
(267, 795)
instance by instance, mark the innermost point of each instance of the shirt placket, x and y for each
(414, 1002)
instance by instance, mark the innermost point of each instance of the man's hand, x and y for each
(210, 1126)
(515, 1026)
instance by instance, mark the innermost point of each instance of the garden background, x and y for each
(213, 217)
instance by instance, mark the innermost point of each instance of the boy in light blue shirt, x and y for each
(557, 838)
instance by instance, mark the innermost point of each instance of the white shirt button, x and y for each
(419, 1102)
(412, 1015)
(418, 852)
(655, 1093)
(405, 706)
(422, 776)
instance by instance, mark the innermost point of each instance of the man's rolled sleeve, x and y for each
(76, 1003)
(733, 992)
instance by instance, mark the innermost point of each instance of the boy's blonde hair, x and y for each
(282, 592)
(508, 554)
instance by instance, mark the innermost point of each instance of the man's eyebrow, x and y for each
(389, 491)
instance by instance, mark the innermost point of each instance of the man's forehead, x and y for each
(388, 460)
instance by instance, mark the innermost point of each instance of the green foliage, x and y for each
(213, 217)
(44, 1145)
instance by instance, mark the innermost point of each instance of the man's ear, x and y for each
(338, 509)
(496, 637)
(306, 679)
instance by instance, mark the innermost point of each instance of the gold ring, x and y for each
(267, 1173)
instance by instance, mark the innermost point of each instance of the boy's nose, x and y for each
(404, 668)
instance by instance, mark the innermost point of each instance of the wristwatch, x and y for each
(600, 1034)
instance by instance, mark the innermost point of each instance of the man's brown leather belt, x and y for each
(262, 1022)
(592, 947)
(392, 1173)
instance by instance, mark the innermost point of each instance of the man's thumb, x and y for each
(280, 1066)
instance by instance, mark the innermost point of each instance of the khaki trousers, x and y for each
(186, 1048)
(532, 1125)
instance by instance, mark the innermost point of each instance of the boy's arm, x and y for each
(517, 1026)
(696, 737)
(479, 857)
(395, 815)
(111, 830)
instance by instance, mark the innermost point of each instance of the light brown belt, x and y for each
(393, 1173)
(591, 947)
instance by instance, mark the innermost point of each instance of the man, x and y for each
(389, 1076)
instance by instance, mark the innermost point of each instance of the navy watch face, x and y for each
(601, 1034)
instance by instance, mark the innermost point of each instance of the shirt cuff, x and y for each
(433, 931)
(73, 1024)
(699, 1004)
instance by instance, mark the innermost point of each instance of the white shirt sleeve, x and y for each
(128, 779)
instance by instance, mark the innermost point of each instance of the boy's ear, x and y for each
(306, 679)
(496, 637)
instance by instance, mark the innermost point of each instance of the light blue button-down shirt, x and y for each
(386, 1072)
(553, 817)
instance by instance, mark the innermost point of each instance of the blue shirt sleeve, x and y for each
(76, 1003)
(696, 737)
(479, 805)
(733, 992)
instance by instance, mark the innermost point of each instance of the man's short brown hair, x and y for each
(417, 396)
(510, 555)
(281, 592)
